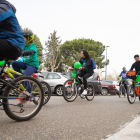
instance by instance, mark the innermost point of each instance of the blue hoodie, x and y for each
(9, 26)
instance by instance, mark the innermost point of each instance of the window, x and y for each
(110, 82)
(44, 74)
(53, 76)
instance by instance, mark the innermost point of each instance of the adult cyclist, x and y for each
(124, 79)
(136, 66)
(11, 37)
(86, 70)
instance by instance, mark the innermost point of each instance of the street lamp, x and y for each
(106, 64)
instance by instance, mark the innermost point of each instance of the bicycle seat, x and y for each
(38, 71)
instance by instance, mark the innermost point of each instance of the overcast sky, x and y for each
(115, 23)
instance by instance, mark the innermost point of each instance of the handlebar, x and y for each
(76, 68)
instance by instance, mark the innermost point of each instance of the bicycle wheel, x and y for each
(47, 93)
(131, 95)
(22, 109)
(90, 91)
(82, 96)
(123, 91)
(120, 91)
(70, 90)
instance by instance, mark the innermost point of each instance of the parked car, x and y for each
(108, 88)
(55, 80)
(95, 79)
(116, 83)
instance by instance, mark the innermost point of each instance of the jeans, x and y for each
(29, 70)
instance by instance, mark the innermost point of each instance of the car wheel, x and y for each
(104, 92)
(59, 90)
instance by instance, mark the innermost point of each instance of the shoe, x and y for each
(84, 92)
(31, 97)
(79, 88)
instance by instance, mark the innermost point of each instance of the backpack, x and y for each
(93, 63)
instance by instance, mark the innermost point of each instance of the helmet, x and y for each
(29, 35)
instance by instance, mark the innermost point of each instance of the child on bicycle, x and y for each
(31, 63)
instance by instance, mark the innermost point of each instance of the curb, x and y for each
(131, 131)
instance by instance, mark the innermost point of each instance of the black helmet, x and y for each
(28, 35)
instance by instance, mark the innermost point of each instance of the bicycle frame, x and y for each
(137, 88)
(9, 72)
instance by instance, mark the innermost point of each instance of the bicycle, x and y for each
(45, 86)
(133, 90)
(72, 88)
(122, 90)
(15, 96)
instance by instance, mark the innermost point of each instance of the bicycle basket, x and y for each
(131, 75)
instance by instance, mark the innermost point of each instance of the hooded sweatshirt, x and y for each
(9, 26)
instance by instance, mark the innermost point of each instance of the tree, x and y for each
(113, 76)
(71, 50)
(52, 52)
(39, 46)
(60, 68)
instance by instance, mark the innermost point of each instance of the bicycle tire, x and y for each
(91, 94)
(82, 96)
(131, 90)
(6, 105)
(68, 99)
(47, 96)
(120, 90)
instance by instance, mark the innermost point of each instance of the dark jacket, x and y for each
(88, 65)
(9, 26)
(136, 65)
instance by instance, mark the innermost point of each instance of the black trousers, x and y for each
(9, 50)
(125, 84)
(85, 75)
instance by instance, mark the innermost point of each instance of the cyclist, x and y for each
(86, 70)
(31, 63)
(136, 65)
(124, 79)
(11, 37)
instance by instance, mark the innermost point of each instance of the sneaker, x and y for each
(84, 92)
(79, 88)
(31, 97)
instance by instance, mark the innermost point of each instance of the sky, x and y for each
(115, 23)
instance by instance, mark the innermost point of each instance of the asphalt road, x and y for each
(79, 120)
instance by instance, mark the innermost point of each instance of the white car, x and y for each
(56, 81)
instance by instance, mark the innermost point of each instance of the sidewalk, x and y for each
(129, 132)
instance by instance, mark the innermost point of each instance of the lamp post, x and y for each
(106, 64)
